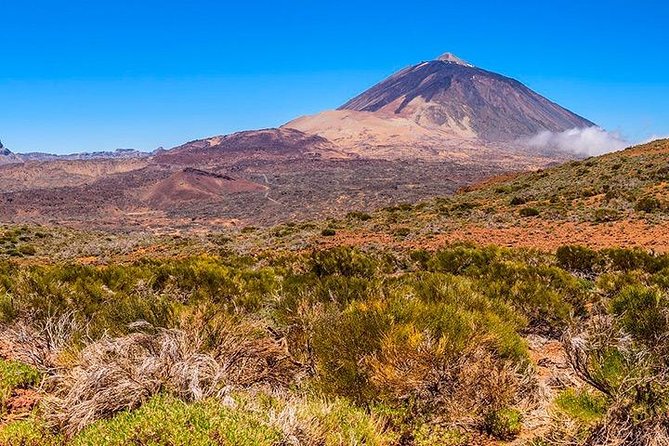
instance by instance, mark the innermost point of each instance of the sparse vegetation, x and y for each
(405, 347)
(289, 336)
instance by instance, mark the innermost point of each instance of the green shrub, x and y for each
(357, 215)
(15, 375)
(528, 212)
(462, 259)
(643, 312)
(431, 435)
(421, 256)
(464, 207)
(583, 406)
(29, 432)
(402, 232)
(344, 261)
(168, 421)
(578, 259)
(328, 232)
(389, 348)
(621, 259)
(546, 296)
(503, 424)
(647, 204)
(603, 215)
(27, 250)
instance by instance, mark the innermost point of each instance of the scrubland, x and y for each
(336, 347)
(401, 326)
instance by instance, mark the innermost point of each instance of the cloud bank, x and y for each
(587, 141)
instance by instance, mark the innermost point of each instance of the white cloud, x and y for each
(588, 141)
(654, 138)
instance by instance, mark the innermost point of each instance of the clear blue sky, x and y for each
(94, 75)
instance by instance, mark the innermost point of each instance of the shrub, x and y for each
(647, 204)
(634, 259)
(462, 259)
(583, 406)
(29, 432)
(164, 420)
(15, 375)
(516, 201)
(546, 296)
(421, 256)
(344, 261)
(503, 424)
(401, 348)
(643, 312)
(328, 232)
(578, 259)
(357, 215)
(431, 435)
(27, 250)
(335, 422)
(632, 377)
(402, 232)
(529, 212)
(603, 215)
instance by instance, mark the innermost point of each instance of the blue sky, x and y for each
(95, 75)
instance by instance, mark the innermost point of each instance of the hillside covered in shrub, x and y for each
(339, 347)
(529, 310)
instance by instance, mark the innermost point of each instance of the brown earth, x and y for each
(536, 234)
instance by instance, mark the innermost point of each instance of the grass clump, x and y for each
(583, 406)
(165, 420)
(578, 259)
(504, 424)
(15, 375)
(115, 374)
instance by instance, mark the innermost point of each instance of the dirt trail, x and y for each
(553, 373)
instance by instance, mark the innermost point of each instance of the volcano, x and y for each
(441, 104)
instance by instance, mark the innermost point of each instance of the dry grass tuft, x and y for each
(40, 342)
(122, 373)
(305, 422)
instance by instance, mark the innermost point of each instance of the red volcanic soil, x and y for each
(542, 235)
(195, 184)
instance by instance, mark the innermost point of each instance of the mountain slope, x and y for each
(191, 184)
(448, 92)
(445, 108)
(6, 156)
(266, 144)
(617, 199)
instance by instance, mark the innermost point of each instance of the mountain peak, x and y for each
(451, 95)
(4, 151)
(452, 58)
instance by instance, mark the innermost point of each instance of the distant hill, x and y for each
(266, 144)
(108, 154)
(617, 199)
(8, 157)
